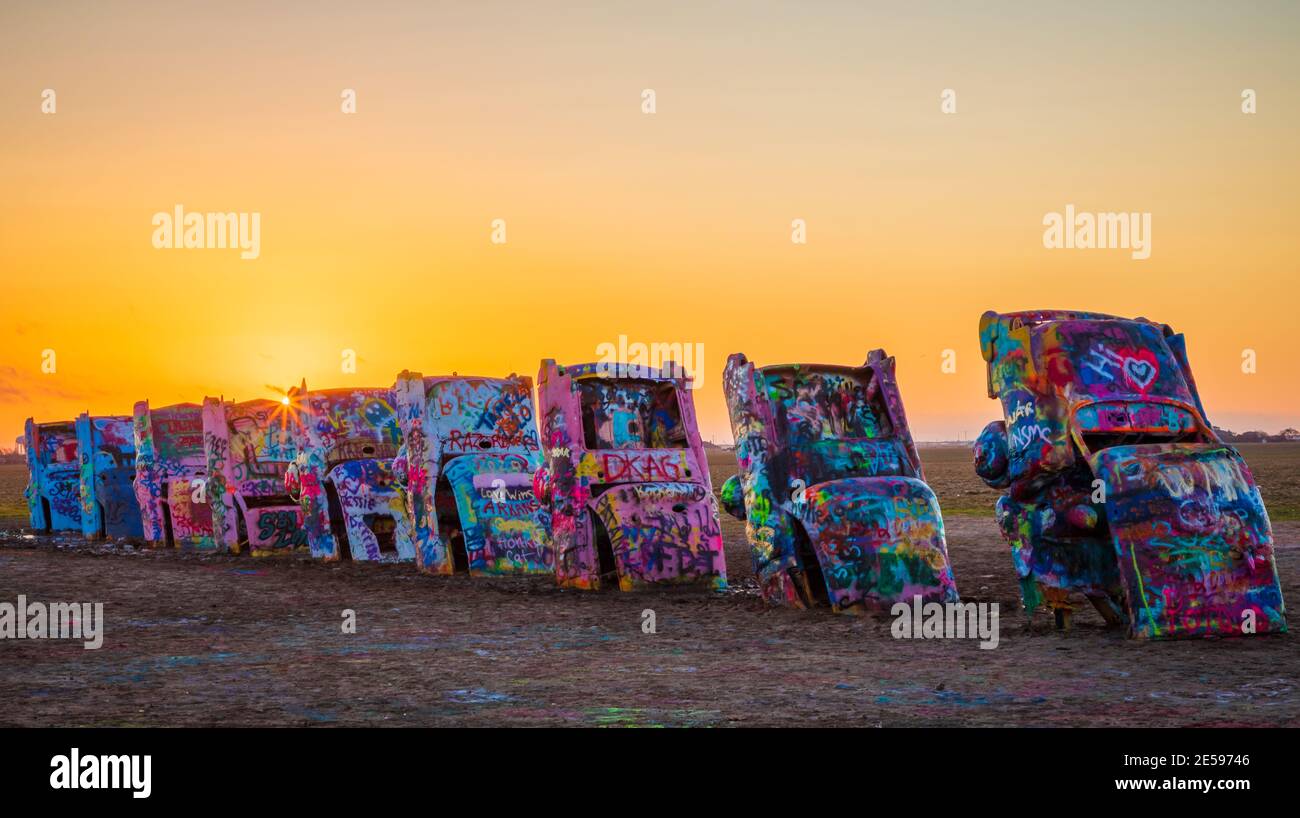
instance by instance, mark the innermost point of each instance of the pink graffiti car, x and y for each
(249, 447)
(342, 475)
(627, 483)
(171, 476)
(471, 450)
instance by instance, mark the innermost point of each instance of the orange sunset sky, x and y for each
(666, 227)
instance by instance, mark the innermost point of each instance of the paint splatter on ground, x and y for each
(224, 640)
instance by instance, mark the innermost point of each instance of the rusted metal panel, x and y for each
(106, 451)
(1117, 487)
(831, 489)
(627, 482)
(343, 477)
(471, 450)
(53, 490)
(171, 477)
(248, 447)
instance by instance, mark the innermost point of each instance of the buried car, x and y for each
(106, 452)
(342, 476)
(171, 476)
(626, 481)
(1116, 485)
(835, 504)
(248, 448)
(53, 490)
(470, 453)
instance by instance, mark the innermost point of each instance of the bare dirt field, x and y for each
(223, 640)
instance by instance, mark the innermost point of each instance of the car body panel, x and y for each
(506, 530)
(661, 533)
(1193, 541)
(471, 451)
(880, 540)
(831, 487)
(368, 493)
(106, 450)
(248, 447)
(53, 490)
(625, 457)
(171, 476)
(1102, 445)
(346, 441)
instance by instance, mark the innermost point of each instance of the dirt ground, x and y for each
(223, 640)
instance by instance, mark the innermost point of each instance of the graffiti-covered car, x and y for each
(106, 453)
(1116, 485)
(248, 447)
(53, 490)
(171, 476)
(626, 482)
(471, 450)
(836, 508)
(352, 506)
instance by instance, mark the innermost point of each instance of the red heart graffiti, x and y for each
(1141, 369)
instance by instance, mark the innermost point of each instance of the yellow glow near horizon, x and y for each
(375, 227)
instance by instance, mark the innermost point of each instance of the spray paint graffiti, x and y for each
(343, 476)
(171, 477)
(835, 503)
(627, 484)
(248, 448)
(106, 452)
(471, 450)
(53, 490)
(1117, 487)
